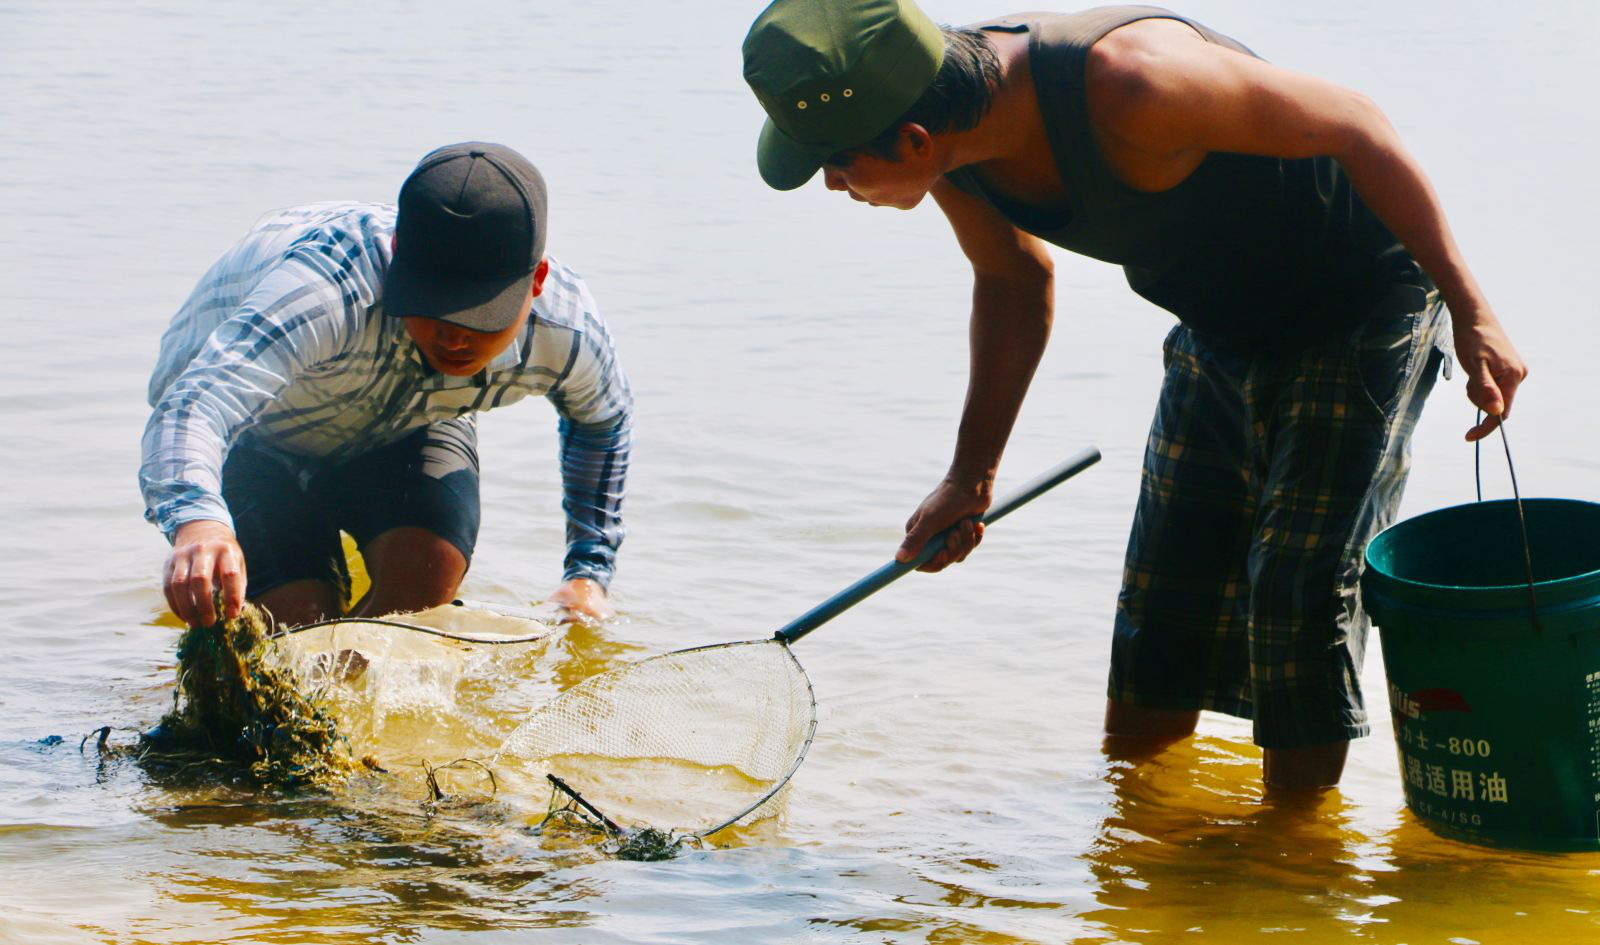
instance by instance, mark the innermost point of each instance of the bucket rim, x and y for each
(1552, 583)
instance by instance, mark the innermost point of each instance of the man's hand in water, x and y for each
(583, 598)
(205, 558)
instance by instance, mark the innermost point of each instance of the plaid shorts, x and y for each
(1264, 478)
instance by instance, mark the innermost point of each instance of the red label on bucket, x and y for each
(1413, 705)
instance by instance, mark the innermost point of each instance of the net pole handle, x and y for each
(887, 574)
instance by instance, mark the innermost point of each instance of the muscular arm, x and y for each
(1161, 97)
(1011, 313)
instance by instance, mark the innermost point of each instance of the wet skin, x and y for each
(1160, 98)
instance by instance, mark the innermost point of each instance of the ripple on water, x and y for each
(799, 367)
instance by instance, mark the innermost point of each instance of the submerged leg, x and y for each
(1134, 732)
(1304, 769)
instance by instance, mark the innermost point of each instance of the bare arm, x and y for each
(1011, 313)
(1161, 97)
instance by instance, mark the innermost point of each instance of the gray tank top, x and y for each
(1258, 252)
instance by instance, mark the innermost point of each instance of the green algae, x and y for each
(646, 844)
(240, 709)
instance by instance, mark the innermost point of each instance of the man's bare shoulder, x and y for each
(1134, 49)
(1127, 67)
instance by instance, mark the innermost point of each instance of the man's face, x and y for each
(459, 351)
(900, 183)
(463, 352)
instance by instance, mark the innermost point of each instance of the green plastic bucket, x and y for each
(1496, 719)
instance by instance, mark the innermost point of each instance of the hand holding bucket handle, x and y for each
(877, 580)
(1493, 367)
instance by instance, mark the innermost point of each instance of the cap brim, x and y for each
(784, 162)
(479, 304)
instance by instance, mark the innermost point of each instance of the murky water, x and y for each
(799, 363)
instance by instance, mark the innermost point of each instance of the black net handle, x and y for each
(1522, 517)
(894, 570)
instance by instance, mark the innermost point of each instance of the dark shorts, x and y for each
(1264, 478)
(287, 513)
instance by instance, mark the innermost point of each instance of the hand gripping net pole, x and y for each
(691, 741)
(701, 739)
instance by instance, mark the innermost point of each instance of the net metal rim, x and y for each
(491, 639)
(778, 783)
(805, 746)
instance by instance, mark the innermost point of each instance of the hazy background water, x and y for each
(799, 363)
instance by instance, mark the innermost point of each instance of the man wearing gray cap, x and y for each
(1278, 216)
(324, 376)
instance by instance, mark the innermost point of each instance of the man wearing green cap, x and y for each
(1278, 216)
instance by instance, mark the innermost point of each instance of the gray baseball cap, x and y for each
(469, 235)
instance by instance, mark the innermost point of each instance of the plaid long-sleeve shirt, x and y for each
(284, 340)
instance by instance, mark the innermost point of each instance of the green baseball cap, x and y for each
(832, 75)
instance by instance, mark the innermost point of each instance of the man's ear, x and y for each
(539, 272)
(392, 243)
(917, 139)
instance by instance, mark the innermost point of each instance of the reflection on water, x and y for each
(1189, 846)
(1182, 847)
(349, 872)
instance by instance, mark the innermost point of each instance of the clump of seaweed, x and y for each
(646, 844)
(438, 799)
(239, 706)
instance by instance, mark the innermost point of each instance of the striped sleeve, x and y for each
(293, 319)
(596, 409)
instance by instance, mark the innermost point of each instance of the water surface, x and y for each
(799, 363)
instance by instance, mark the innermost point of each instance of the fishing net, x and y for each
(653, 754)
(313, 705)
(419, 688)
(406, 662)
(688, 742)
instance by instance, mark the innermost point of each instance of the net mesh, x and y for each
(691, 741)
(418, 686)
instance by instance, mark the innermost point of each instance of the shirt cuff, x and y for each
(590, 560)
(208, 509)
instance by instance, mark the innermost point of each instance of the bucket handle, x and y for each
(1522, 518)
